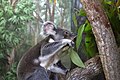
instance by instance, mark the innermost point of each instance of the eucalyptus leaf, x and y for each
(1, 13)
(76, 59)
(82, 12)
(65, 60)
(1, 28)
(79, 36)
(88, 27)
(74, 20)
(109, 2)
(90, 45)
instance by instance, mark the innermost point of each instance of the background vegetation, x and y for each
(20, 26)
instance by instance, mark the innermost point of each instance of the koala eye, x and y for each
(66, 33)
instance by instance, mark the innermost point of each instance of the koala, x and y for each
(45, 55)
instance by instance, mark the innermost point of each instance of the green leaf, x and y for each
(2, 21)
(109, 2)
(88, 27)
(82, 12)
(1, 13)
(74, 20)
(90, 45)
(76, 59)
(65, 60)
(1, 28)
(79, 36)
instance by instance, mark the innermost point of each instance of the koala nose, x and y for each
(73, 36)
(72, 44)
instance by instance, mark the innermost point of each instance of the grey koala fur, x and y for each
(29, 66)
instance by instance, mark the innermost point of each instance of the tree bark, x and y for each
(93, 68)
(105, 39)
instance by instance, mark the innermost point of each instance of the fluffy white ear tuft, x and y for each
(48, 28)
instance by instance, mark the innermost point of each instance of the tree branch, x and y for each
(105, 39)
(93, 68)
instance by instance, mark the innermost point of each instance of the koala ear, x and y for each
(48, 28)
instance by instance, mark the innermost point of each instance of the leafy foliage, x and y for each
(73, 54)
(90, 45)
(11, 75)
(84, 34)
(79, 36)
(74, 20)
(112, 8)
(13, 24)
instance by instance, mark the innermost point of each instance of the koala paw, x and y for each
(68, 41)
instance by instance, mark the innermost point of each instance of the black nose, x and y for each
(73, 37)
(72, 44)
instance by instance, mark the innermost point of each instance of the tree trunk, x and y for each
(105, 39)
